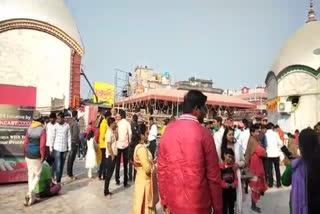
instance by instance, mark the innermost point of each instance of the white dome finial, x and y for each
(311, 14)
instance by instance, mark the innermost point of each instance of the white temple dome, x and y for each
(53, 12)
(303, 48)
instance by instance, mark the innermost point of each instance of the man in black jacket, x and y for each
(135, 140)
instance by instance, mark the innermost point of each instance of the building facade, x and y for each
(40, 46)
(257, 95)
(146, 78)
(203, 85)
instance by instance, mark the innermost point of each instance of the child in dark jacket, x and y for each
(229, 182)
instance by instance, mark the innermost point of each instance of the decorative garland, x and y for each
(135, 105)
(159, 106)
(130, 106)
(273, 104)
(209, 108)
(168, 105)
(219, 112)
(153, 104)
(141, 104)
(231, 111)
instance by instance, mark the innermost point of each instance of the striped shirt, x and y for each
(62, 137)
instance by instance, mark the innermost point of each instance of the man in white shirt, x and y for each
(61, 145)
(273, 148)
(243, 141)
(111, 153)
(50, 137)
(218, 134)
(244, 135)
(124, 139)
(152, 137)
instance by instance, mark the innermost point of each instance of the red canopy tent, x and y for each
(175, 95)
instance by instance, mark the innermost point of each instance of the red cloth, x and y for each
(256, 163)
(281, 134)
(257, 188)
(223, 183)
(188, 169)
(89, 129)
(258, 184)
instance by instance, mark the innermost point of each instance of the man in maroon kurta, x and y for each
(188, 165)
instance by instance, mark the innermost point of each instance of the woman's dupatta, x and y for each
(251, 147)
(154, 192)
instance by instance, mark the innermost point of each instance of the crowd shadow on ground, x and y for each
(83, 181)
(274, 201)
(70, 185)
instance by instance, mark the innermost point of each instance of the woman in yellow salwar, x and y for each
(145, 189)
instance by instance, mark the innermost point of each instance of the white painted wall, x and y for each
(307, 114)
(298, 84)
(33, 58)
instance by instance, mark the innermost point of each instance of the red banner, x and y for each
(17, 95)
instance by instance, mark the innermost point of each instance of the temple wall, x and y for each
(34, 58)
(298, 84)
(306, 114)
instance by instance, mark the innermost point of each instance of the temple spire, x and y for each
(311, 14)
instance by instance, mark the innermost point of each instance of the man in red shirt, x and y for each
(188, 165)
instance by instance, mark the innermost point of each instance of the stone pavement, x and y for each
(86, 196)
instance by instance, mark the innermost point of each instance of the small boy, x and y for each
(229, 182)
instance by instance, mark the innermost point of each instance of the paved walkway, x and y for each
(86, 196)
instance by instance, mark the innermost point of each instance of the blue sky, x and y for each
(232, 42)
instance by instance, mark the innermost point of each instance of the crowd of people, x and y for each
(247, 155)
(47, 142)
(196, 167)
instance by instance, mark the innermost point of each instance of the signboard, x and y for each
(16, 109)
(105, 93)
(14, 121)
